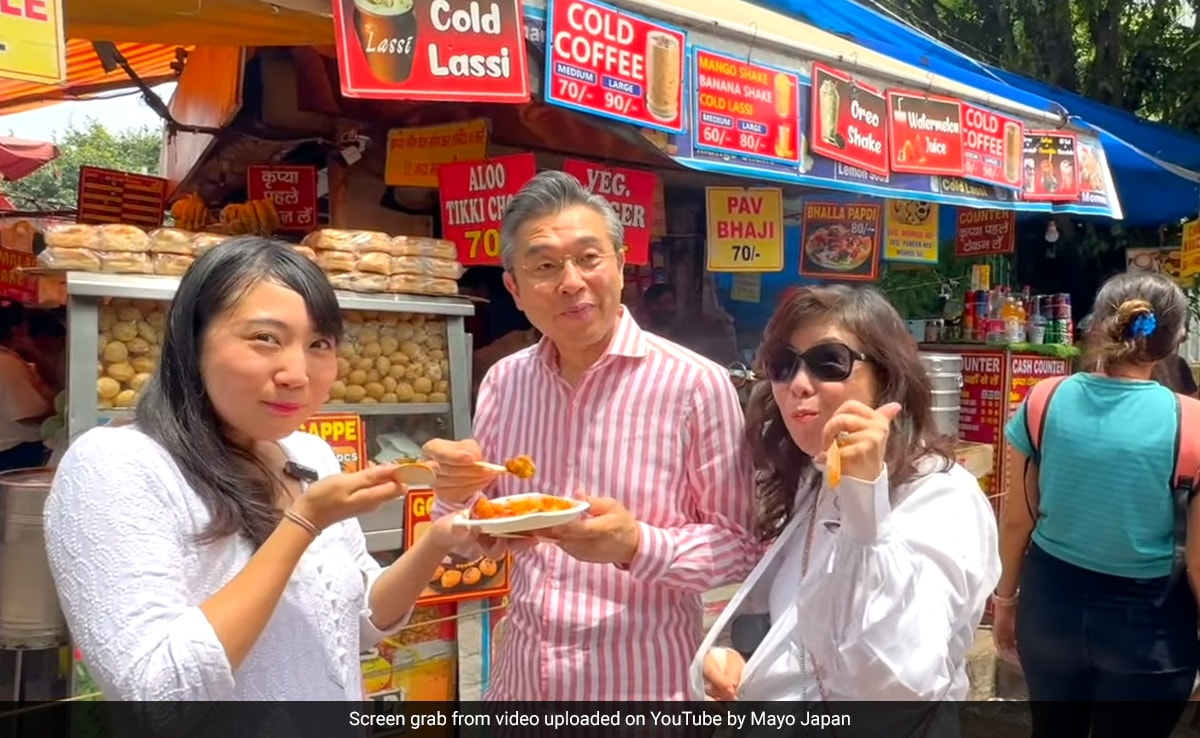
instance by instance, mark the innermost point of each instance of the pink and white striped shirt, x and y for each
(658, 428)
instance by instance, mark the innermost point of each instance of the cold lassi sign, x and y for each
(745, 229)
(461, 50)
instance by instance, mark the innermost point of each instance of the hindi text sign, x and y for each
(985, 232)
(414, 154)
(292, 189)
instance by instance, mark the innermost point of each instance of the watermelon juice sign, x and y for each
(432, 50)
(607, 62)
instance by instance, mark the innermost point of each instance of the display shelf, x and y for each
(145, 287)
(391, 409)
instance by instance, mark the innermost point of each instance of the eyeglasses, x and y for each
(545, 270)
(825, 362)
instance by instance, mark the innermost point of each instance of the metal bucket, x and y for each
(945, 379)
(30, 616)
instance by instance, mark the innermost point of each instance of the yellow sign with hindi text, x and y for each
(911, 232)
(745, 229)
(414, 154)
(1189, 265)
(32, 48)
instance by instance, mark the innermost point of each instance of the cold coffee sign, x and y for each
(745, 109)
(992, 145)
(849, 121)
(607, 62)
(432, 50)
(474, 196)
(926, 133)
(630, 192)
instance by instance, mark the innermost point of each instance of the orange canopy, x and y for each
(148, 33)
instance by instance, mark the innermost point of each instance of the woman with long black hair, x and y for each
(210, 551)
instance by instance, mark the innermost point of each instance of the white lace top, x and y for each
(121, 526)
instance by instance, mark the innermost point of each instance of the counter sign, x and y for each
(345, 433)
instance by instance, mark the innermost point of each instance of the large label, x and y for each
(631, 193)
(432, 50)
(608, 62)
(474, 196)
(849, 121)
(746, 109)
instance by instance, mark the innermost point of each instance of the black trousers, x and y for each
(23, 455)
(1104, 656)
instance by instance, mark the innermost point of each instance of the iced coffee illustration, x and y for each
(829, 99)
(783, 141)
(387, 31)
(664, 74)
(1014, 143)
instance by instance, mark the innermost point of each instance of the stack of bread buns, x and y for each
(122, 249)
(371, 261)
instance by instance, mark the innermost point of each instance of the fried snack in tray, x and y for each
(521, 467)
(119, 238)
(335, 239)
(58, 258)
(172, 241)
(485, 509)
(171, 265)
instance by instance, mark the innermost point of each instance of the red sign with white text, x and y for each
(985, 232)
(926, 133)
(849, 121)
(608, 62)
(745, 109)
(631, 193)
(15, 285)
(1049, 172)
(474, 196)
(455, 50)
(992, 145)
(1028, 370)
(981, 407)
(293, 190)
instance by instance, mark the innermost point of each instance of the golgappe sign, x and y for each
(471, 50)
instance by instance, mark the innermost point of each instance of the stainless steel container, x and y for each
(30, 616)
(945, 379)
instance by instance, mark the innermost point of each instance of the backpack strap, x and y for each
(1036, 403)
(1183, 483)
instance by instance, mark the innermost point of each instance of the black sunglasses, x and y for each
(825, 362)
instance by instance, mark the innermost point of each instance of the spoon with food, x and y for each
(520, 467)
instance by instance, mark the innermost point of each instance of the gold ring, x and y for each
(842, 438)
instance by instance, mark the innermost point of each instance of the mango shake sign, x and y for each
(462, 50)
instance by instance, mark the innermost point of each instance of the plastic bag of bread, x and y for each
(359, 282)
(424, 266)
(171, 265)
(172, 241)
(121, 237)
(336, 261)
(375, 262)
(334, 239)
(71, 236)
(69, 260)
(433, 248)
(306, 252)
(413, 284)
(202, 242)
(125, 262)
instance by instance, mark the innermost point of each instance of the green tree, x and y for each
(55, 186)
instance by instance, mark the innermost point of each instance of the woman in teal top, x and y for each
(1100, 618)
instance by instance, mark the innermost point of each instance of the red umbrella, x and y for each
(21, 158)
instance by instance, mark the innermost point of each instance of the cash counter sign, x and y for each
(460, 50)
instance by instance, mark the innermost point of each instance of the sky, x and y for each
(116, 113)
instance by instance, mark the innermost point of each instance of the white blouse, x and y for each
(891, 600)
(121, 528)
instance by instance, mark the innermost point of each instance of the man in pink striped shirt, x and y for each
(653, 435)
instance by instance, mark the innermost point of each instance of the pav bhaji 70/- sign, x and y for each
(745, 229)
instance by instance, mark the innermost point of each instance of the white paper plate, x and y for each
(524, 523)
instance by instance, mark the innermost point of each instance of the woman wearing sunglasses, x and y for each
(874, 583)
